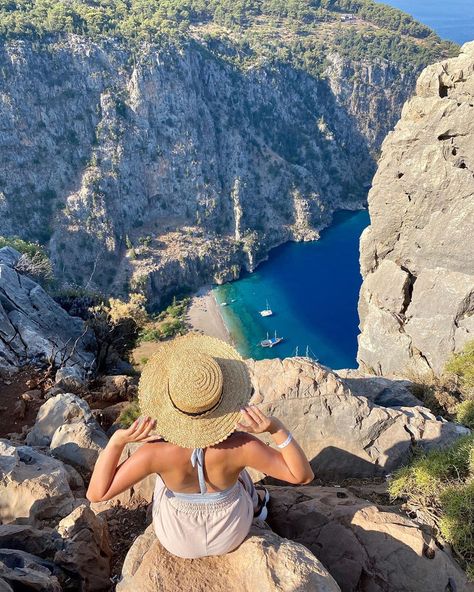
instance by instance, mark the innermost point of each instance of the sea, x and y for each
(313, 288)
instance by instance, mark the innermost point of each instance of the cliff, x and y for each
(169, 165)
(417, 300)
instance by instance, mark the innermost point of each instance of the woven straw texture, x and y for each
(194, 374)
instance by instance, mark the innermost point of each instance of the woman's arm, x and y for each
(288, 464)
(107, 479)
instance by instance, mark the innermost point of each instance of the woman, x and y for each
(194, 392)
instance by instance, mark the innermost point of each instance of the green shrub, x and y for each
(457, 522)
(462, 366)
(465, 413)
(24, 247)
(441, 482)
(130, 414)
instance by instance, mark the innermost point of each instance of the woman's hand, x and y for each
(257, 422)
(139, 431)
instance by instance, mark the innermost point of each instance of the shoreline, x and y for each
(204, 315)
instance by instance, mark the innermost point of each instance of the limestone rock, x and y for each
(34, 326)
(70, 378)
(26, 572)
(43, 542)
(263, 562)
(33, 486)
(343, 434)
(86, 549)
(417, 300)
(79, 444)
(364, 546)
(56, 411)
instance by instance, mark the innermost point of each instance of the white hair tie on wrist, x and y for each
(286, 442)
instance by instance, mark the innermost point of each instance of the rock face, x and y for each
(33, 486)
(66, 424)
(366, 548)
(263, 562)
(33, 326)
(417, 300)
(344, 434)
(173, 167)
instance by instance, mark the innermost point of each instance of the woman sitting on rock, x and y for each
(195, 393)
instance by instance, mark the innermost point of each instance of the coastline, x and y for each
(204, 315)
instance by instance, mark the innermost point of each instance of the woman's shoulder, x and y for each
(236, 440)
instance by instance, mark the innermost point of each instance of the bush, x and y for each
(130, 414)
(465, 413)
(462, 366)
(441, 483)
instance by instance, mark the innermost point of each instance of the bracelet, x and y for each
(286, 442)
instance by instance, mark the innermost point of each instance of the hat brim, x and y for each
(177, 427)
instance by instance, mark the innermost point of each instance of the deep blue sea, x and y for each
(451, 19)
(313, 287)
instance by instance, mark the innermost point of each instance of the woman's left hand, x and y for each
(139, 431)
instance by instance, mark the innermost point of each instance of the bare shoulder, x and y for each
(154, 453)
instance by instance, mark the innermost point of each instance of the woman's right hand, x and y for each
(257, 422)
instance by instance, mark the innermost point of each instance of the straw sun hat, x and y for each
(194, 386)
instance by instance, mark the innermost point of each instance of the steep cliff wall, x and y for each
(417, 257)
(169, 167)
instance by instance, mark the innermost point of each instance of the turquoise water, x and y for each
(451, 19)
(312, 289)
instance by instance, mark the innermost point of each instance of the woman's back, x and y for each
(222, 464)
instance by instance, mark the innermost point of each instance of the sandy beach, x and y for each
(204, 315)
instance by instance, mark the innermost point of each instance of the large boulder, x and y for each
(79, 444)
(86, 548)
(61, 409)
(263, 562)
(33, 486)
(417, 299)
(365, 547)
(342, 434)
(34, 326)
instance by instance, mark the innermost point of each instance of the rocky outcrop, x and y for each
(264, 561)
(66, 424)
(33, 326)
(33, 487)
(417, 300)
(365, 547)
(172, 167)
(344, 434)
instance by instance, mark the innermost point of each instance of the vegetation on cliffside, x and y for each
(440, 485)
(301, 31)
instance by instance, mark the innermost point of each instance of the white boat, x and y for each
(223, 303)
(267, 312)
(270, 342)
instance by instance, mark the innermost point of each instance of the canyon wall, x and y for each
(164, 167)
(417, 257)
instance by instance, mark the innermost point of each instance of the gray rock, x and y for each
(263, 562)
(86, 550)
(71, 379)
(364, 546)
(26, 572)
(33, 326)
(33, 486)
(56, 411)
(342, 433)
(9, 256)
(79, 444)
(417, 300)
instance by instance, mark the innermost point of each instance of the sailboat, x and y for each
(270, 342)
(267, 312)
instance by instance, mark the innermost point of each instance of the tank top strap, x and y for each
(197, 458)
